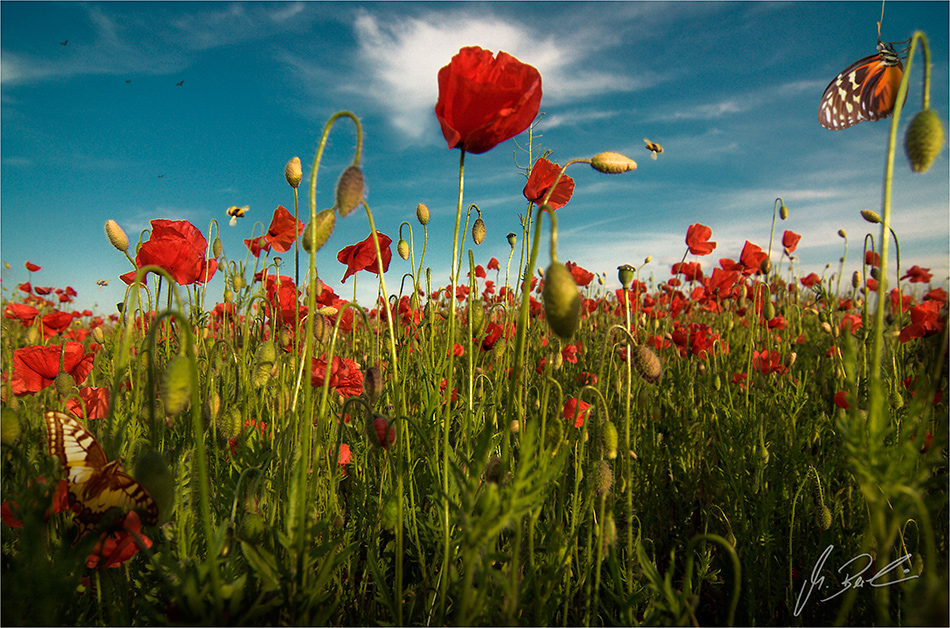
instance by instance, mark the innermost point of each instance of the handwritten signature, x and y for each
(856, 580)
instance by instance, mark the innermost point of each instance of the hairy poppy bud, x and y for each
(64, 384)
(783, 212)
(766, 266)
(553, 435)
(612, 163)
(768, 312)
(478, 231)
(647, 364)
(98, 335)
(319, 231)
(871, 216)
(824, 518)
(292, 172)
(176, 384)
(216, 248)
(9, 426)
(373, 384)
(349, 190)
(152, 473)
(237, 281)
(626, 273)
(608, 439)
(603, 477)
(252, 528)
(923, 140)
(856, 279)
(402, 248)
(562, 301)
(422, 214)
(116, 235)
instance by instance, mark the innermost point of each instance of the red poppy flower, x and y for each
(95, 399)
(35, 368)
(790, 241)
(767, 362)
(693, 271)
(577, 410)
(117, 546)
(25, 287)
(697, 239)
(842, 399)
(751, 258)
(362, 256)
(179, 248)
(493, 264)
(21, 312)
(56, 322)
(282, 231)
(582, 277)
(30, 266)
(810, 280)
(916, 274)
(282, 296)
(925, 321)
(485, 100)
(872, 259)
(384, 431)
(256, 245)
(540, 181)
(345, 376)
(344, 455)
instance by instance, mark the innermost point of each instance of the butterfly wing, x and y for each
(95, 484)
(865, 90)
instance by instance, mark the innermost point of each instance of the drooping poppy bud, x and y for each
(478, 231)
(373, 384)
(923, 140)
(608, 439)
(176, 384)
(402, 248)
(647, 364)
(319, 231)
(783, 212)
(152, 473)
(349, 190)
(603, 477)
(612, 163)
(562, 301)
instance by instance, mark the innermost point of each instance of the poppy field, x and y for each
(724, 441)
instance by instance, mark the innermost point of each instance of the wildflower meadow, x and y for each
(726, 441)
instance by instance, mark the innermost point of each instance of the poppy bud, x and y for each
(402, 247)
(98, 335)
(512, 238)
(176, 384)
(64, 384)
(349, 190)
(237, 281)
(216, 248)
(292, 172)
(609, 535)
(923, 140)
(9, 426)
(824, 517)
(422, 214)
(871, 216)
(116, 235)
(608, 439)
(373, 384)
(554, 433)
(783, 212)
(647, 364)
(768, 313)
(856, 279)
(229, 422)
(389, 515)
(603, 477)
(562, 302)
(499, 349)
(266, 353)
(875, 273)
(478, 231)
(152, 473)
(318, 231)
(493, 470)
(896, 400)
(842, 234)
(717, 382)
(478, 318)
(514, 426)
(228, 295)
(252, 528)
(612, 163)
(766, 266)
(626, 273)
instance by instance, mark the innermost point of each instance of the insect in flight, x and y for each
(236, 212)
(179, 83)
(94, 484)
(63, 43)
(654, 148)
(102, 283)
(865, 90)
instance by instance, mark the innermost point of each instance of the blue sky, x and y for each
(730, 90)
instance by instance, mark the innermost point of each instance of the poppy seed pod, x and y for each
(349, 190)
(116, 235)
(923, 140)
(422, 214)
(647, 364)
(402, 248)
(292, 172)
(176, 384)
(625, 274)
(562, 301)
(152, 473)
(612, 163)
(871, 216)
(512, 238)
(319, 231)
(478, 231)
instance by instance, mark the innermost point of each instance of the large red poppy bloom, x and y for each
(179, 248)
(35, 368)
(362, 256)
(345, 376)
(697, 239)
(576, 410)
(790, 241)
(21, 312)
(540, 181)
(117, 546)
(925, 321)
(283, 230)
(916, 274)
(94, 399)
(485, 99)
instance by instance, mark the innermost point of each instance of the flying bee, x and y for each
(236, 212)
(102, 283)
(654, 148)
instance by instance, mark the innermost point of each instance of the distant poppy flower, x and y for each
(95, 399)
(485, 99)
(43, 290)
(540, 181)
(697, 239)
(872, 259)
(30, 266)
(117, 546)
(916, 274)
(10, 509)
(810, 280)
(344, 455)
(925, 321)
(582, 277)
(790, 241)
(35, 368)
(384, 431)
(345, 376)
(577, 410)
(21, 312)
(55, 322)
(178, 247)
(362, 256)
(25, 287)
(493, 264)
(842, 400)
(693, 271)
(767, 362)
(851, 322)
(937, 294)
(283, 231)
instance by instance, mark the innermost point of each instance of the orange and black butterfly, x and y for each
(865, 90)
(95, 484)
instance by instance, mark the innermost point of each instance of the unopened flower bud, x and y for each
(871, 216)
(855, 279)
(373, 384)
(768, 312)
(608, 439)
(319, 231)
(402, 248)
(924, 140)
(478, 231)
(562, 301)
(380, 432)
(612, 163)
(349, 190)
(64, 384)
(842, 233)
(292, 172)
(647, 364)
(783, 212)
(116, 235)
(824, 518)
(766, 266)
(176, 384)
(603, 477)
(98, 335)
(252, 528)
(216, 248)
(422, 214)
